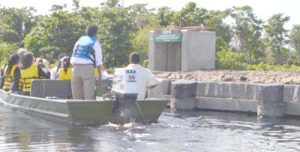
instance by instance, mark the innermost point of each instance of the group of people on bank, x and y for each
(81, 68)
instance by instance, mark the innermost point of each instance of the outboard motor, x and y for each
(124, 87)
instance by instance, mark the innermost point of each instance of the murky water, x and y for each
(186, 131)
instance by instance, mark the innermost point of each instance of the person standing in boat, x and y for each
(86, 54)
(144, 77)
(21, 49)
(30, 71)
(12, 74)
(65, 72)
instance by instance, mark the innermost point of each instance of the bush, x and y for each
(269, 67)
(227, 59)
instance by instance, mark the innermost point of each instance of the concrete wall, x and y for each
(196, 51)
(263, 99)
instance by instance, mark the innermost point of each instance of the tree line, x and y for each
(244, 41)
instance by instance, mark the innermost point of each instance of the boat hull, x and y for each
(85, 112)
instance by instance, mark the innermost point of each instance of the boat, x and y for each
(46, 101)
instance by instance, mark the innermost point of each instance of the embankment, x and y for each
(271, 94)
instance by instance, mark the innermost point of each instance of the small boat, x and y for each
(46, 101)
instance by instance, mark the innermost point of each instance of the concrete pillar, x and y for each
(151, 51)
(198, 50)
(270, 101)
(183, 93)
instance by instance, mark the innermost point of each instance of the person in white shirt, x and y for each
(144, 77)
(87, 53)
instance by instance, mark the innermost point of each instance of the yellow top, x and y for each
(9, 79)
(27, 75)
(62, 75)
(96, 73)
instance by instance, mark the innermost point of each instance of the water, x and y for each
(186, 131)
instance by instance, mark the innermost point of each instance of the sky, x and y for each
(262, 8)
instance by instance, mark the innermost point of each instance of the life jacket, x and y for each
(84, 48)
(62, 75)
(27, 75)
(96, 73)
(8, 79)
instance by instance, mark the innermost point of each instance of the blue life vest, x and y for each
(84, 48)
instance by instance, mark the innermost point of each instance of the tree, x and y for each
(5, 50)
(140, 38)
(115, 28)
(16, 23)
(56, 34)
(277, 36)
(295, 38)
(140, 15)
(76, 4)
(247, 31)
(224, 33)
(164, 16)
(191, 15)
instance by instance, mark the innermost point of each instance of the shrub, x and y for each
(227, 59)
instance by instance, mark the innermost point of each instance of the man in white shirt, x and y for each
(87, 53)
(144, 77)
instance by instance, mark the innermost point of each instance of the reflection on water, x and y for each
(184, 131)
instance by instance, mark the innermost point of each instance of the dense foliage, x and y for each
(244, 41)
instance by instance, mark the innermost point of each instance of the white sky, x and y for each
(262, 8)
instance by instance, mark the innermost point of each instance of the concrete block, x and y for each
(210, 89)
(240, 105)
(183, 104)
(183, 93)
(214, 89)
(292, 108)
(251, 91)
(183, 89)
(238, 91)
(296, 96)
(288, 93)
(163, 88)
(243, 91)
(166, 85)
(201, 87)
(223, 90)
(206, 89)
(270, 100)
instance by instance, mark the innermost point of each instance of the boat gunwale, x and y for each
(73, 100)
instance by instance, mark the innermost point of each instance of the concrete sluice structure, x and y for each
(182, 49)
(273, 100)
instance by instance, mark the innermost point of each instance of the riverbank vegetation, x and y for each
(244, 41)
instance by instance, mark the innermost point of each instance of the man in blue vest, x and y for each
(86, 55)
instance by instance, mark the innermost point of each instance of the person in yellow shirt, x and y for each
(30, 71)
(65, 73)
(11, 75)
